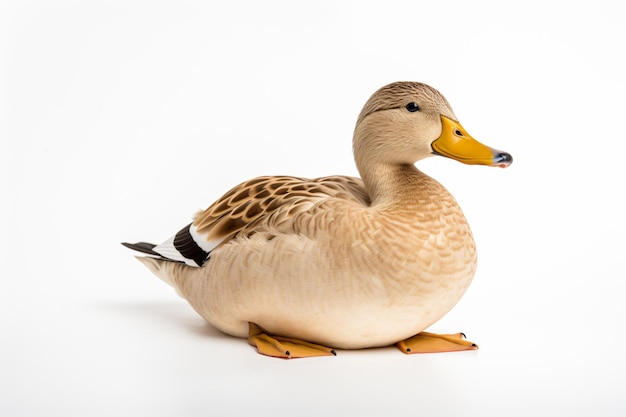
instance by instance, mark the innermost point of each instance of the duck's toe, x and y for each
(284, 347)
(431, 343)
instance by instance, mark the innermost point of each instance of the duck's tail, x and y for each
(143, 247)
(156, 263)
(187, 246)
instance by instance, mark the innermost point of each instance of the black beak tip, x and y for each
(503, 159)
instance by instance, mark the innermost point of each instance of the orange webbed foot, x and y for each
(425, 342)
(284, 347)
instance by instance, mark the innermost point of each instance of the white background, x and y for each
(120, 119)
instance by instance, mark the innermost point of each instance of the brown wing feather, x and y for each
(272, 201)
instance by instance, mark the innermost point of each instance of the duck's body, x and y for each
(337, 261)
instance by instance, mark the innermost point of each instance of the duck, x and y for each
(302, 267)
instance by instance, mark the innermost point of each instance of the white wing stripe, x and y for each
(200, 239)
(169, 251)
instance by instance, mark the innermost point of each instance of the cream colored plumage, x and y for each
(340, 261)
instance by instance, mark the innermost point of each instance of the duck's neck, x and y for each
(395, 184)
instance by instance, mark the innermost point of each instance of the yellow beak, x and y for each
(456, 143)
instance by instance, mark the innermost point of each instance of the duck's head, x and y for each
(404, 122)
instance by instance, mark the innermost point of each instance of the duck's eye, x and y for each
(412, 107)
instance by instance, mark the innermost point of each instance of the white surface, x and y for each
(119, 119)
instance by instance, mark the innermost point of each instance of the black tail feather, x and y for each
(148, 249)
(143, 247)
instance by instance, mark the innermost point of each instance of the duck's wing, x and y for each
(263, 203)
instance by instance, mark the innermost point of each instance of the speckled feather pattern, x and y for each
(341, 261)
(272, 202)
